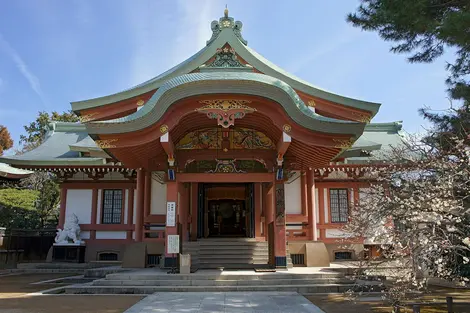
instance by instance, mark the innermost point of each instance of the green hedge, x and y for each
(17, 208)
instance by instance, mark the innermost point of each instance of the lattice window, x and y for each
(343, 255)
(298, 259)
(112, 206)
(108, 256)
(339, 205)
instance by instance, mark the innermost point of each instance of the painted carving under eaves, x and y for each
(226, 166)
(211, 138)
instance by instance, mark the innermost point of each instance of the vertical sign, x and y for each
(173, 243)
(171, 214)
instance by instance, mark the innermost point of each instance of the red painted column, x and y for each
(171, 196)
(147, 193)
(183, 210)
(321, 211)
(130, 212)
(264, 191)
(63, 203)
(280, 244)
(94, 211)
(269, 217)
(194, 196)
(303, 193)
(139, 214)
(312, 220)
(257, 209)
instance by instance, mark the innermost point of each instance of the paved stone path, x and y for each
(225, 302)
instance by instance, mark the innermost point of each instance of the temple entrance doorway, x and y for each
(227, 218)
(225, 210)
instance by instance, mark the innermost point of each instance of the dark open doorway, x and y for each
(225, 210)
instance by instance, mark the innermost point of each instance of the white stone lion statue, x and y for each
(71, 231)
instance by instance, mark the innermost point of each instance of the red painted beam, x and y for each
(225, 178)
(283, 144)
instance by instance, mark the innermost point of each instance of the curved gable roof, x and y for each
(222, 36)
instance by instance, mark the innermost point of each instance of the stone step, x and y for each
(302, 289)
(220, 276)
(233, 266)
(233, 243)
(231, 239)
(231, 252)
(229, 257)
(107, 282)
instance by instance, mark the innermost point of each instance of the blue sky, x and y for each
(53, 52)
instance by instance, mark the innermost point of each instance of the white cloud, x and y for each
(23, 68)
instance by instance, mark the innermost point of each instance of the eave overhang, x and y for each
(242, 83)
(53, 162)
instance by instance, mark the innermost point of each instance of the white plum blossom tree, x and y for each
(417, 209)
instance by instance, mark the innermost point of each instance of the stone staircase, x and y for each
(228, 253)
(152, 280)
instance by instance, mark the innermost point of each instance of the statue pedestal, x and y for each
(72, 252)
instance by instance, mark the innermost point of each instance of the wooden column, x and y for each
(130, 211)
(303, 193)
(147, 193)
(268, 219)
(280, 245)
(184, 210)
(321, 212)
(171, 196)
(139, 214)
(63, 203)
(312, 220)
(94, 212)
(194, 195)
(264, 191)
(257, 194)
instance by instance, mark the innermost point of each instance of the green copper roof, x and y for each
(227, 33)
(55, 150)
(9, 171)
(389, 135)
(227, 82)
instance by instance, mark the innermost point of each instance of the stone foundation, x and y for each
(315, 253)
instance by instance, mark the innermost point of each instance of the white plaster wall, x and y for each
(325, 205)
(126, 205)
(135, 206)
(84, 235)
(98, 207)
(317, 206)
(335, 233)
(364, 194)
(111, 235)
(292, 197)
(158, 198)
(79, 203)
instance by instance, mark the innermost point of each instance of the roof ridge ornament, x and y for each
(226, 22)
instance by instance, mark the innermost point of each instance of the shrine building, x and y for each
(232, 147)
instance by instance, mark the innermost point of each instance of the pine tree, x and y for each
(424, 29)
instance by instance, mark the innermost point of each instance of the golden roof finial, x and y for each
(226, 11)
